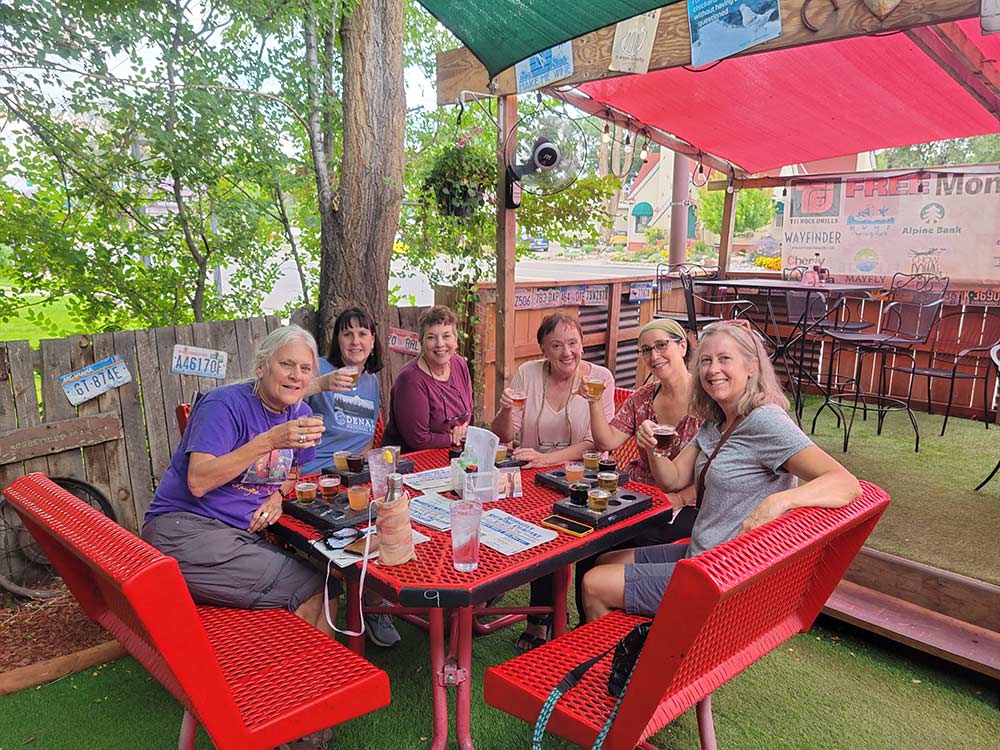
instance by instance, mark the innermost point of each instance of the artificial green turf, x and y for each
(825, 689)
(935, 517)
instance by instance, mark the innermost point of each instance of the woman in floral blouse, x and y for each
(664, 400)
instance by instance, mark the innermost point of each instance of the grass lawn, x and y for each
(935, 516)
(17, 329)
(827, 689)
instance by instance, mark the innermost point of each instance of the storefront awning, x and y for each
(642, 209)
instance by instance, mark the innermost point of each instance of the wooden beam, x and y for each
(458, 70)
(58, 437)
(506, 256)
(614, 322)
(957, 66)
(985, 69)
(728, 222)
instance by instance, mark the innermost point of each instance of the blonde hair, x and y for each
(762, 387)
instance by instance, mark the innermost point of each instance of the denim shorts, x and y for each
(646, 579)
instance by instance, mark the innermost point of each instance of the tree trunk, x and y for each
(358, 232)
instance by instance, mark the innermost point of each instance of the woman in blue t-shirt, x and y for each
(350, 412)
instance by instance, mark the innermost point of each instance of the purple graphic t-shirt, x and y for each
(221, 422)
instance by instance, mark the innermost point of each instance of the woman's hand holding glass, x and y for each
(269, 512)
(303, 432)
(644, 436)
(341, 380)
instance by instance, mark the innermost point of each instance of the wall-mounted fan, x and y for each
(544, 153)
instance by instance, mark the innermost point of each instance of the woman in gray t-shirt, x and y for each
(750, 481)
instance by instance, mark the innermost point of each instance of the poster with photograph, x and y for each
(721, 28)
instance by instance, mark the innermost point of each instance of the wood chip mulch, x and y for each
(37, 631)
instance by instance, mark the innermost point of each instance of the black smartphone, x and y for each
(574, 528)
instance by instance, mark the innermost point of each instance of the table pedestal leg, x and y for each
(560, 590)
(353, 615)
(438, 689)
(464, 684)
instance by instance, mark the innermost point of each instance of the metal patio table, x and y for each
(430, 587)
(784, 346)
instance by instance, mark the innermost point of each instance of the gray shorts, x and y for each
(228, 567)
(646, 579)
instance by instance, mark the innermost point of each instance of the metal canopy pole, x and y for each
(506, 254)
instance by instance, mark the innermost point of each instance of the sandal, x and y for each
(527, 641)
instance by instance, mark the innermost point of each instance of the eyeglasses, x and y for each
(660, 347)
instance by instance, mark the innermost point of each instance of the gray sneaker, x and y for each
(381, 631)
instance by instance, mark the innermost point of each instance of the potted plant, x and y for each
(458, 177)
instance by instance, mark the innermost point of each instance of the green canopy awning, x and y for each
(642, 209)
(502, 32)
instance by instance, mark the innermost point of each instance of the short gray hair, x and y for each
(277, 339)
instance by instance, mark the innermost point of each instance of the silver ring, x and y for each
(302, 438)
(264, 514)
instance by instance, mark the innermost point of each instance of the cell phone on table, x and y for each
(571, 527)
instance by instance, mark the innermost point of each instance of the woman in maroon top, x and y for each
(664, 400)
(431, 399)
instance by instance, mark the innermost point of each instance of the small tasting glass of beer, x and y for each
(663, 433)
(358, 496)
(501, 452)
(354, 372)
(574, 471)
(595, 388)
(608, 481)
(597, 500)
(305, 493)
(340, 460)
(518, 399)
(329, 487)
(591, 460)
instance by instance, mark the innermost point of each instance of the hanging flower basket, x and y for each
(458, 178)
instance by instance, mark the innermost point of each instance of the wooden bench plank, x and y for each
(959, 642)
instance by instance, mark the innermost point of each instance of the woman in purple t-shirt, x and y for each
(225, 483)
(431, 399)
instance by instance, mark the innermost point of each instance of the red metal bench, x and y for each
(252, 679)
(723, 610)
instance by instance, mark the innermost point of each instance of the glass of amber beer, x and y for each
(663, 433)
(595, 388)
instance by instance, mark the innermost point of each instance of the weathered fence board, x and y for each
(57, 437)
(119, 477)
(22, 377)
(95, 459)
(55, 405)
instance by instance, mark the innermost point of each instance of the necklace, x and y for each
(427, 367)
(565, 408)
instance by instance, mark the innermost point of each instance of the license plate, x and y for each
(93, 380)
(193, 360)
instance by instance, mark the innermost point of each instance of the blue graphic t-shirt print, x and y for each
(354, 413)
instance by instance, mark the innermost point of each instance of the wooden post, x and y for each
(506, 256)
(679, 209)
(726, 241)
(614, 323)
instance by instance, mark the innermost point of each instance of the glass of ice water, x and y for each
(465, 518)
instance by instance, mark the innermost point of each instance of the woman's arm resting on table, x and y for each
(536, 459)
(825, 484)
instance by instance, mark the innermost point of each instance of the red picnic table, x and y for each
(429, 587)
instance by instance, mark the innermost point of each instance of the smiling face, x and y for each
(563, 348)
(439, 344)
(665, 357)
(724, 371)
(283, 378)
(356, 343)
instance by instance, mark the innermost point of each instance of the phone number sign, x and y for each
(193, 360)
(93, 380)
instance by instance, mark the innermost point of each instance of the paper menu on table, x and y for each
(431, 510)
(509, 535)
(433, 479)
(483, 445)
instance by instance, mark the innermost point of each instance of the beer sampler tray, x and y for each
(327, 516)
(556, 479)
(350, 478)
(621, 505)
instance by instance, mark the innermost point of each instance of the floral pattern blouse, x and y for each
(638, 408)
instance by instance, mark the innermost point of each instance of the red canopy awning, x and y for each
(798, 105)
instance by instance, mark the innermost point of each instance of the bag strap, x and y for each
(566, 684)
(700, 484)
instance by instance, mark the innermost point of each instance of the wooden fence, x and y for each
(121, 441)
